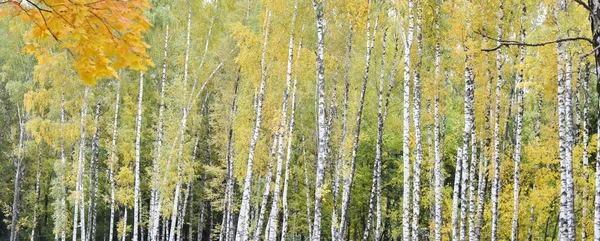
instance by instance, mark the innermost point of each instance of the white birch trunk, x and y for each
(124, 224)
(418, 137)
(38, 176)
(138, 130)
(437, 166)
(188, 190)
(62, 213)
(377, 162)
(341, 159)
(79, 199)
(271, 231)
(243, 224)
(16, 206)
(566, 210)
(496, 156)
(408, 38)
(519, 128)
(468, 128)
(284, 225)
(226, 228)
(391, 84)
(455, 193)
(307, 184)
(349, 177)
(265, 194)
(473, 185)
(93, 178)
(321, 116)
(155, 202)
(111, 169)
(585, 158)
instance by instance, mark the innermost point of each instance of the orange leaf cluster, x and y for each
(101, 35)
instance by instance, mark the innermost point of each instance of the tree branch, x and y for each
(583, 5)
(508, 43)
(589, 53)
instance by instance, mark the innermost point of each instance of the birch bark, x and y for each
(79, 199)
(16, 206)
(319, 7)
(377, 162)
(111, 169)
(519, 129)
(138, 130)
(496, 156)
(408, 38)
(93, 177)
(242, 225)
(155, 202)
(417, 122)
(349, 177)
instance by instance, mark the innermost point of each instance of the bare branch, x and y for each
(583, 5)
(508, 43)
(589, 53)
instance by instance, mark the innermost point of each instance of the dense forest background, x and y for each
(299, 120)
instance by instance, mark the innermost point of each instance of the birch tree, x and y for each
(79, 198)
(138, 130)
(16, 206)
(518, 131)
(407, 38)
(319, 7)
(243, 224)
(111, 164)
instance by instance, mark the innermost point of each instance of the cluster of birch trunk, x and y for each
(231, 136)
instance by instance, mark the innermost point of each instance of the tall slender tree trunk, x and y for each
(349, 177)
(377, 162)
(243, 219)
(38, 176)
(456, 193)
(138, 130)
(319, 7)
(408, 38)
(111, 169)
(79, 199)
(182, 129)
(124, 224)
(188, 190)
(155, 200)
(341, 158)
(61, 213)
(284, 225)
(417, 122)
(93, 182)
(469, 127)
(437, 165)
(16, 206)
(271, 231)
(307, 185)
(226, 228)
(265, 194)
(566, 212)
(391, 84)
(496, 156)
(519, 129)
(585, 159)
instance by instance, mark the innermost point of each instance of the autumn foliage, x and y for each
(100, 35)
